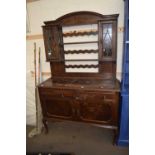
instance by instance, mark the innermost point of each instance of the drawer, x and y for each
(99, 95)
(58, 93)
(68, 93)
(51, 92)
(109, 96)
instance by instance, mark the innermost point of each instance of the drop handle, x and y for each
(78, 112)
(104, 97)
(73, 111)
(77, 98)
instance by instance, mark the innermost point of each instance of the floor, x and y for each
(78, 138)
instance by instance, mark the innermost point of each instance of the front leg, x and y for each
(45, 126)
(115, 136)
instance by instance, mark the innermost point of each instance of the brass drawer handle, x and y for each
(104, 97)
(78, 112)
(73, 111)
(62, 95)
(77, 98)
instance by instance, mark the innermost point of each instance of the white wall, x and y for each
(45, 10)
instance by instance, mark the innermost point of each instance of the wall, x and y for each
(44, 10)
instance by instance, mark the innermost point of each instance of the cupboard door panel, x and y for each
(107, 42)
(95, 108)
(52, 41)
(58, 108)
(101, 112)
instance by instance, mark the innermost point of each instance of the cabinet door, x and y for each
(95, 108)
(52, 41)
(57, 107)
(107, 40)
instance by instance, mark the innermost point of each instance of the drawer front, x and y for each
(100, 95)
(68, 93)
(99, 108)
(51, 92)
(60, 93)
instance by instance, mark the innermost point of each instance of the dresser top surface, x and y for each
(84, 84)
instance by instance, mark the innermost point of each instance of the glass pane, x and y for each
(107, 40)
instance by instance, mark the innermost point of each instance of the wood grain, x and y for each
(80, 33)
(81, 66)
(80, 51)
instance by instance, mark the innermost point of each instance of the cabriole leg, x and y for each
(45, 126)
(115, 136)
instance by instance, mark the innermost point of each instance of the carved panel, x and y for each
(96, 108)
(58, 107)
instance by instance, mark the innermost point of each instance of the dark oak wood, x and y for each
(81, 100)
(45, 125)
(81, 60)
(81, 17)
(80, 51)
(80, 33)
(84, 42)
(81, 66)
(83, 97)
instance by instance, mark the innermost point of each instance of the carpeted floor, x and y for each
(77, 138)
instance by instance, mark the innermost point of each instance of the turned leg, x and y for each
(45, 126)
(115, 136)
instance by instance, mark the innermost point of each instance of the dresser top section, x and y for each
(81, 17)
(82, 84)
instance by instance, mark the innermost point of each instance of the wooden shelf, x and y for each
(105, 60)
(84, 42)
(80, 51)
(81, 60)
(81, 66)
(80, 33)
